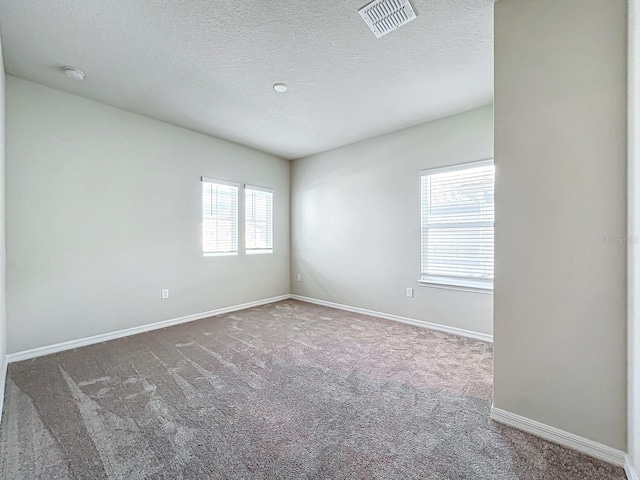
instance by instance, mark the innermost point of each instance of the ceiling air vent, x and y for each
(384, 16)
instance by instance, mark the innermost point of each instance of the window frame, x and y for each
(216, 181)
(257, 251)
(452, 282)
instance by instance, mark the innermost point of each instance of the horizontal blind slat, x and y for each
(457, 216)
(219, 217)
(258, 219)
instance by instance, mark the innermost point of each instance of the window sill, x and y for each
(258, 252)
(224, 254)
(457, 284)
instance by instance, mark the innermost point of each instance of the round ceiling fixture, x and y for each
(280, 87)
(73, 73)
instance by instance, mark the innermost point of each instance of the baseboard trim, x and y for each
(3, 379)
(83, 342)
(397, 318)
(555, 435)
(630, 470)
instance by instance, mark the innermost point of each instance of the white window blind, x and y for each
(457, 225)
(258, 220)
(219, 217)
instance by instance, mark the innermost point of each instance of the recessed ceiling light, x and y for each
(73, 73)
(280, 87)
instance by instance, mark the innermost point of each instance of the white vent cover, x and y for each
(384, 16)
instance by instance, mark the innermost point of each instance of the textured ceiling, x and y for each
(210, 65)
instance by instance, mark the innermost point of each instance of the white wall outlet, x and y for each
(410, 292)
(165, 293)
(299, 277)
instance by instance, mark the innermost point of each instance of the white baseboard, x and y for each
(630, 470)
(3, 378)
(555, 435)
(388, 316)
(83, 342)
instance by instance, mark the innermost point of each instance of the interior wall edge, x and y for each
(633, 245)
(150, 118)
(561, 437)
(397, 318)
(392, 133)
(83, 342)
(629, 469)
(3, 258)
(3, 377)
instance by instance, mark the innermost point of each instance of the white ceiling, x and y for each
(209, 65)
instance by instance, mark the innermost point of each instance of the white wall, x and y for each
(104, 210)
(560, 155)
(3, 302)
(356, 221)
(633, 261)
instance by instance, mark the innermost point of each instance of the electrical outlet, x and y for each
(410, 292)
(299, 277)
(165, 293)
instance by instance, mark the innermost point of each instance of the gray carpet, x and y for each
(288, 390)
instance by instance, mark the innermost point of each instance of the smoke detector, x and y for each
(384, 16)
(73, 73)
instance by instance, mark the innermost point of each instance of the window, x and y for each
(457, 225)
(258, 219)
(219, 217)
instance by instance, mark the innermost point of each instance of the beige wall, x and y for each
(356, 221)
(3, 303)
(560, 154)
(104, 210)
(633, 262)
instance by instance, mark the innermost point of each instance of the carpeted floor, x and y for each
(284, 391)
